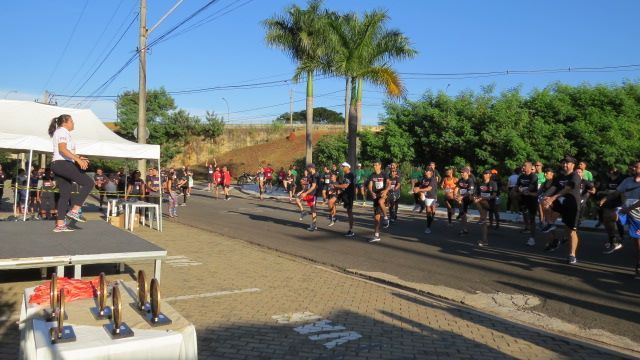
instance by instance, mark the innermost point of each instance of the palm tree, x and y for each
(302, 34)
(362, 50)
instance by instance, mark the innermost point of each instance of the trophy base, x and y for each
(67, 335)
(51, 316)
(160, 321)
(124, 331)
(147, 309)
(106, 313)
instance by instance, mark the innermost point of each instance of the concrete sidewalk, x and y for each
(249, 302)
(473, 214)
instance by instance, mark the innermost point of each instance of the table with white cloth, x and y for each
(174, 341)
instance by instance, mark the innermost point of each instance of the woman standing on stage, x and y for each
(67, 168)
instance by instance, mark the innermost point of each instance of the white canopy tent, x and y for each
(24, 125)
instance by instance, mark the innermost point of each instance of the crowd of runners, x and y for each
(541, 195)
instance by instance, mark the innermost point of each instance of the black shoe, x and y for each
(350, 234)
(572, 260)
(552, 245)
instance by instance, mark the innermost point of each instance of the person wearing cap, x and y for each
(465, 197)
(309, 195)
(427, 190)
(347, 186)
(487, 191)
(450, 186)
(379, 185)
(527, 188)
(394, 192)
(563, 199)
(360, 175)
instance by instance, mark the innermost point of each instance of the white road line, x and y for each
(211, 294)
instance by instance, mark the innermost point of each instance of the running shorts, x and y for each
(310, 200)
(530, 203)
(567, 207)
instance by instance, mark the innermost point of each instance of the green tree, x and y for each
(362, 50)
(321, 115)
(331, 149)
(212, 127)
(159, 104)
(302, 34)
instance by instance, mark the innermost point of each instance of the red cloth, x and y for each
(74, 289)
(227, 178)
(217, 177)
(267, 172)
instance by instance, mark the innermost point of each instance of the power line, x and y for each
(66, 46)
(473, 75)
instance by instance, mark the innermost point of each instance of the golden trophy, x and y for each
(142, 306)
(61, 333)
(50, 313)
(101, 311)
(156, 318)
(118, 329)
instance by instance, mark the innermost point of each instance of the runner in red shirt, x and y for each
(268, 177)
(226, 182)
(217, 180)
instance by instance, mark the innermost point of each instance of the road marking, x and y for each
(211, 294)
(295, 317)
(181, 261)
(327, 329)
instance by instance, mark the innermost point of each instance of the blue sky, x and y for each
(451, 37)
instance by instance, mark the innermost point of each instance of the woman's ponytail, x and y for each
(56, 122)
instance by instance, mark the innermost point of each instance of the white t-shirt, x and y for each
(62, 135)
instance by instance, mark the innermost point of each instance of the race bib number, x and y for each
(379, 185)
(327, 181)
(463, 191)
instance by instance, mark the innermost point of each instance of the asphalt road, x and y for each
(599, 292)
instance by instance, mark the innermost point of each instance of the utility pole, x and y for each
(291, 108)
(142, 85)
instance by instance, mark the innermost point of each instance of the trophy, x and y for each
(102, 311)
(117, 329)
(156, 318)
(142, 306)
(51, 314)
(60, 333)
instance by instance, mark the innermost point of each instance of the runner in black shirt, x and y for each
(331, 192)
(310, 193)
(393, 197)
(527, 189)
(378, 187)
(494, 211)
(563, 199)
(427, 190)
(608, 200)
(347, 185)
(486, 193)
(100, 181)
(465, 196)
(325, 180)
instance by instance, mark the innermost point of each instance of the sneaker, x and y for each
(483, 244)
(552, 245)
(183, 204)
(385, 223)
(548, 228)
(572, 260)
(331, 223)
(62, 228)
(531, 242)
(612, 249)
(312, 228)
(350, 234)
(427, 231)
(303, 214)
(375, 238)
(77, 216)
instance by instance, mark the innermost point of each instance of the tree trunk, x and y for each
(352, 135)
(309, 142)
(347, 96)
(359, 103)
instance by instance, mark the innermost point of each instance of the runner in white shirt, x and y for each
(66, 172)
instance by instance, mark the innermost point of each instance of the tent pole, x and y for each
(160, 208)
(26, 200)
(15, 195)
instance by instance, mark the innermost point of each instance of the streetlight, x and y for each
(7, 94)
(226, 102)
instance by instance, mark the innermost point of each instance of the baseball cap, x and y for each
(345, 164)
(486, 172)
(494, 171)
(311, 166)
(569, 159)
(466, 169)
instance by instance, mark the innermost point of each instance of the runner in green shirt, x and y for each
(586, 174)
(361, 175)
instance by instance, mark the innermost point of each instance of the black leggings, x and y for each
(67, 172)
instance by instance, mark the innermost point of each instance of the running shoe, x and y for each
(183, 204)
(303, 214)
(612, 249)
(77, 216)
(531, 242)
(427, 231)
(62, 228)
(331, 223)
(312, 228)
(375, 238)
(350, 234)
(552, 245)
(482, 244)
(385, 223)
(572, 260)
(548, 228)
